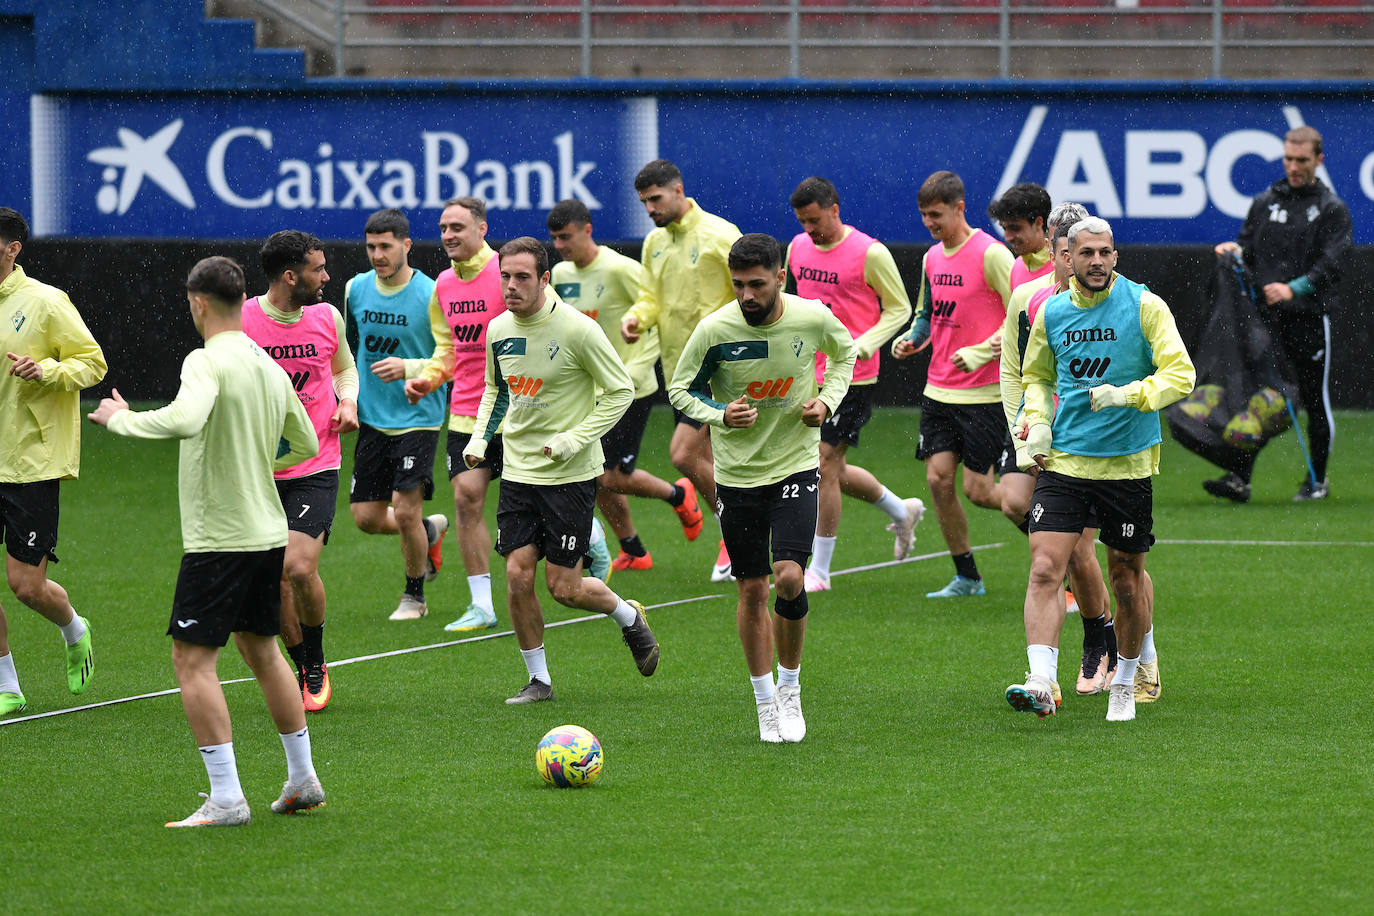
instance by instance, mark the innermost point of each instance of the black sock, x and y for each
(1094, 635)
(964, 565)
(313, 640)
(632, 546)
(1110, 630)
(297, 653)
(679, 494)
(429, 530)
(415, 587)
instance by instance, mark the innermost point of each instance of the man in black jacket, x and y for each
(1294, 241)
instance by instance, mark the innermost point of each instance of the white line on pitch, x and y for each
(453, 642)
(347, 661)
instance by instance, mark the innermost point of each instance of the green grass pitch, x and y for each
(1246, 788)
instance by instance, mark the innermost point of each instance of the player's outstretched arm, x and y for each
(185, 415)
(107, 408)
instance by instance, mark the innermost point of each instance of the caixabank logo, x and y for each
(239, 167)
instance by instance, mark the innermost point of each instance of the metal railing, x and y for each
(1216, 28)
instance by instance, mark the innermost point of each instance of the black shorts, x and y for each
(556, 519)
(227, 592)
(974, 432)
(680, 417)
(621, 444)
(855, 410)
(782, 513)
(1122, 509)
(456, 465)
(309, 502)
(385, 464)
(28, 520)
(1006, 459)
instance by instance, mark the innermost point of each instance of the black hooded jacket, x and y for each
(1298, 232)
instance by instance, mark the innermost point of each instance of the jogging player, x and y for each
(686, 277)
(305, 335)
(1023, 213)
(855, 276)
(759, 361)
(1109, 350)
(556, 382)
(965, 287)
(467, 296)
(390, 325)
(1089, 590)
(602, 283)
(50, 356)
(236, 412)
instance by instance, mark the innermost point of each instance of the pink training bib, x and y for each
(836, 277)
(1037, 299)
(469, 306)
(306, 351)
(1020, 273)
(966, 311)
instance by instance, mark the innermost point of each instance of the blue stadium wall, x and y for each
(171, 127)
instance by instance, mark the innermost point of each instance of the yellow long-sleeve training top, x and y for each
(40, 419)
(686, 278)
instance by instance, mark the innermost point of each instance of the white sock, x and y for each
(480, 587)
(1147, 647)
(9, 678)
(536, 664)
(788, 677)
(299, 766)
(224, 774)
(763, 687)
(822, 549)
(1044, 660)
(73, 631)
(624, 614)
(892, 506)
(1125, 670)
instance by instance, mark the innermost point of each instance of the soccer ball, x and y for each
(1244, 431)
(1271, 409)
(1204, 399)
(569, 756)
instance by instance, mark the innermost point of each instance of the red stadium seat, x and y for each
(741, 21)
(606, 19)
(1335, 22)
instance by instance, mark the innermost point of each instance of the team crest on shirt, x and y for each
(18, 318)
(553, 348)
(796, 345)
(600, 289)
(1312, 212)
(696, 253)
